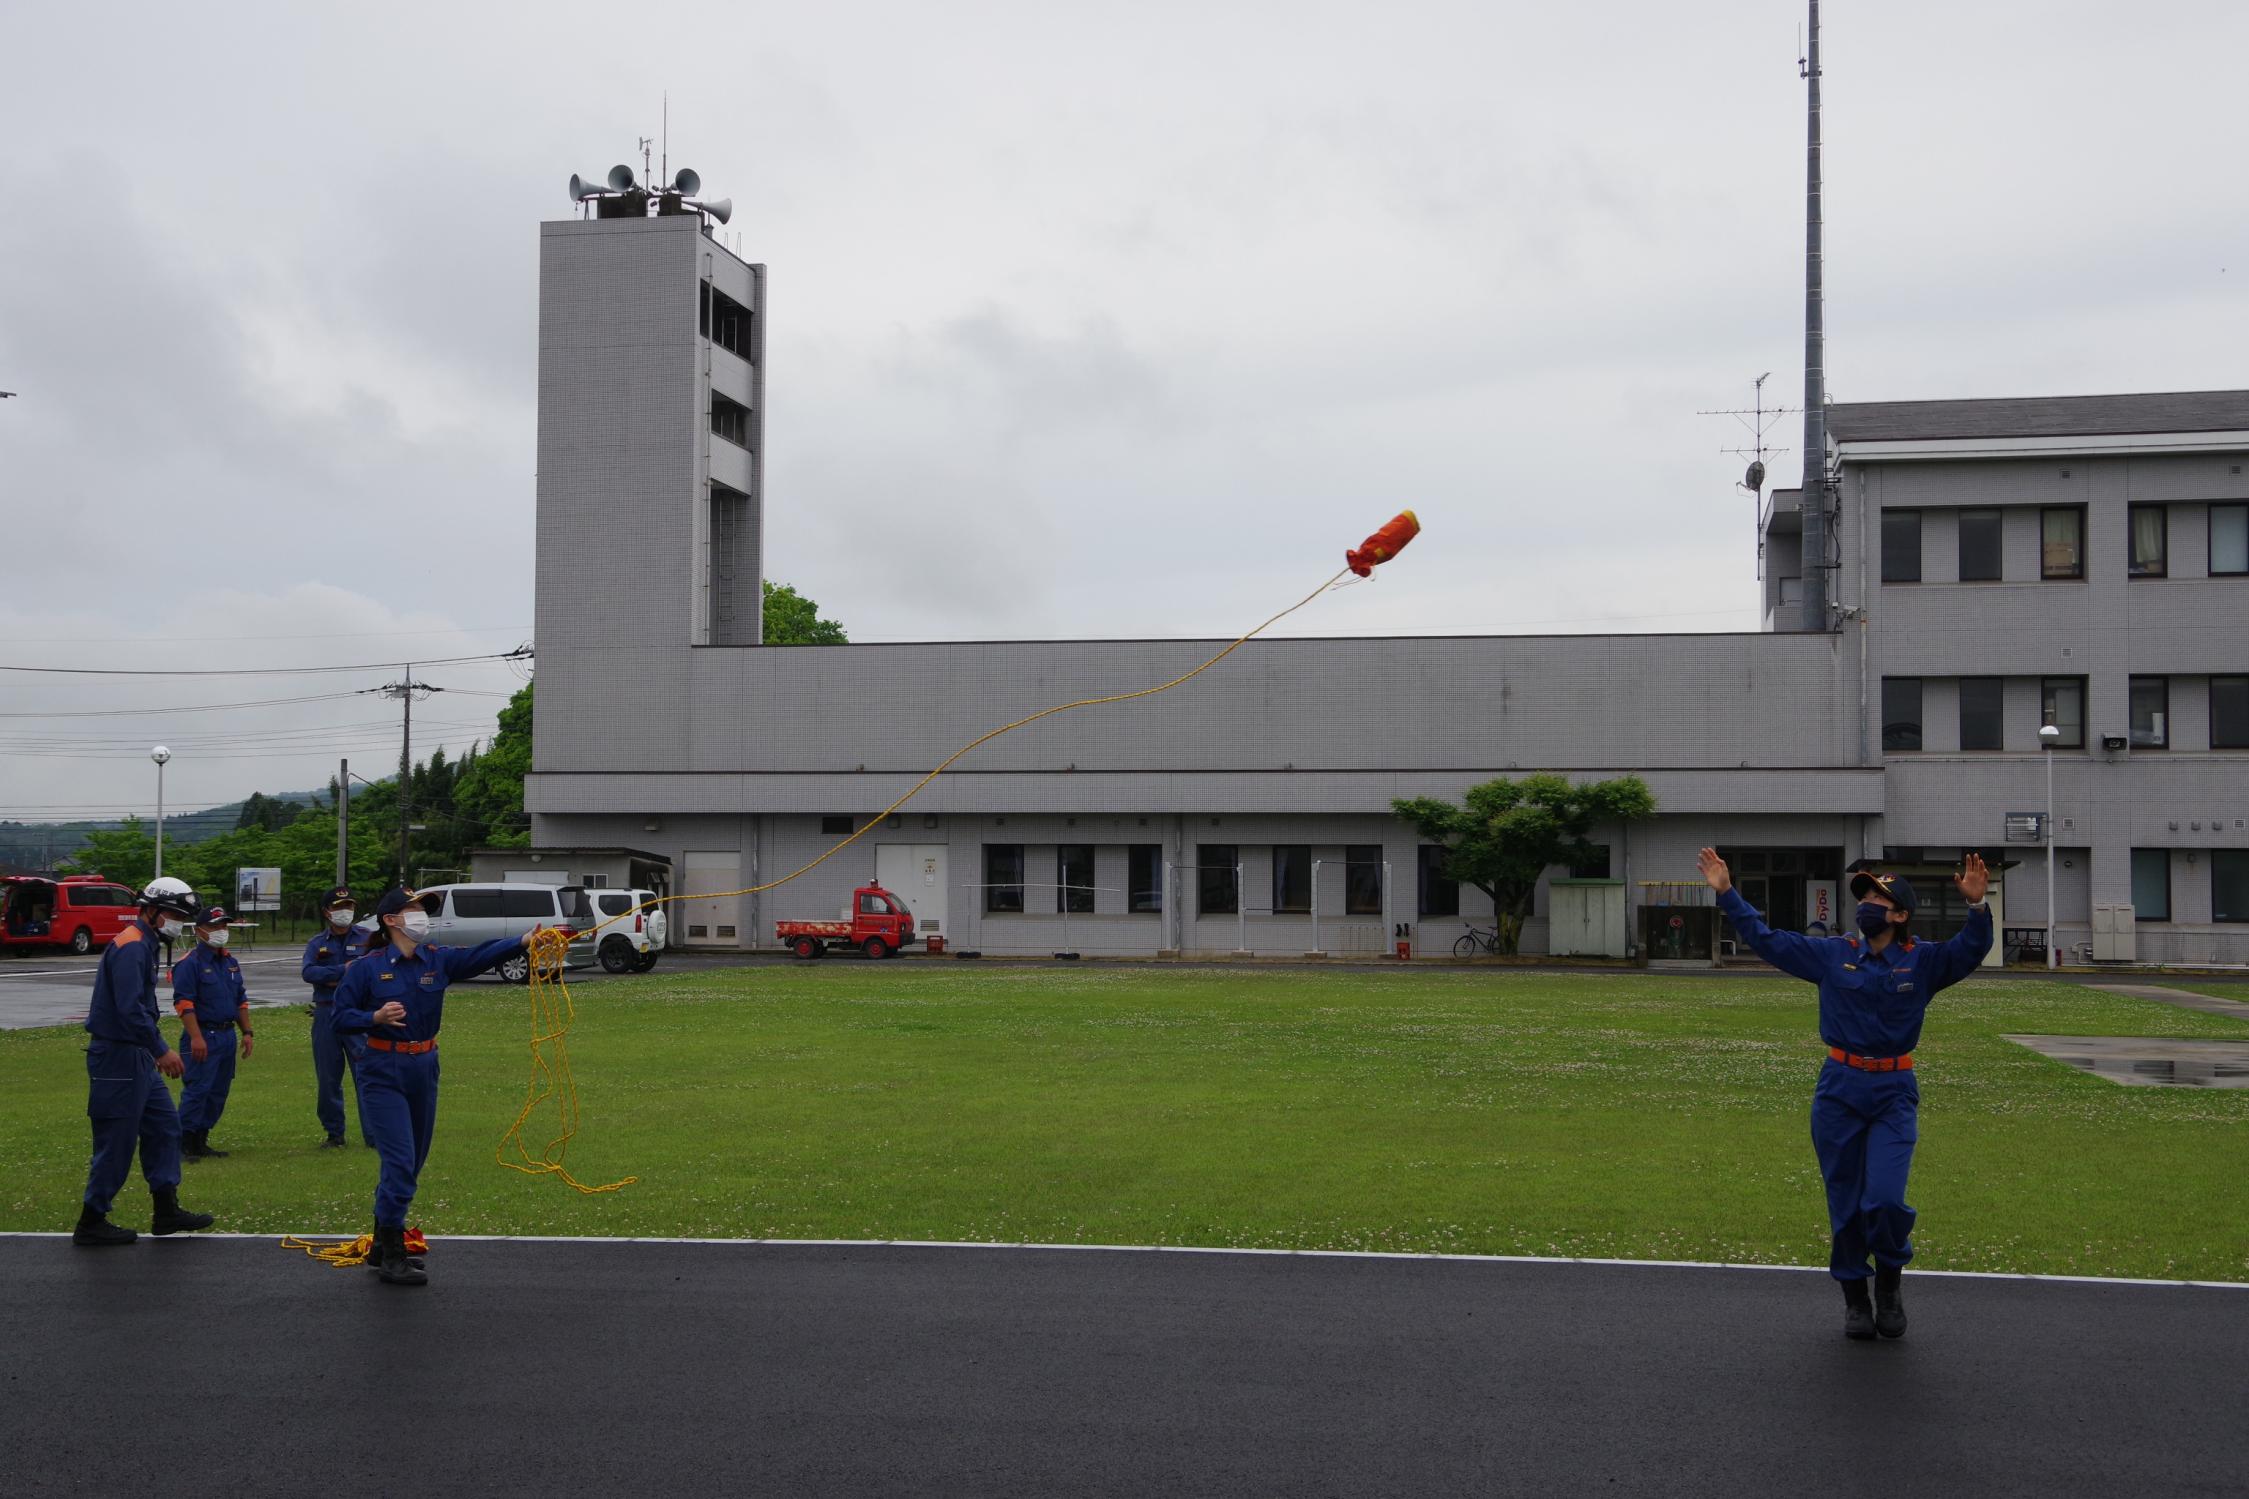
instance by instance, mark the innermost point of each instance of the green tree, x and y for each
(793, 619)
(126, 854)
(489, 795)
(1508, 833)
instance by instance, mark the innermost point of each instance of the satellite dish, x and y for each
(721, 209)
(581, 189)
(620, 178)
(687, 183)
(1755, 480)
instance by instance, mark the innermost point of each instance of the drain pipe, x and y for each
(1863, 737)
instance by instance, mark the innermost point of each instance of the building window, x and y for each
(1979, 546)
(2151, 884)
(730, 419)
(1439, 896)
(1073, 879)
(1982, 712)
(726, 322)
(2061, 702)
(2229, 884)
(1145, 876)
(2229, 539)
(1901, 546)
(1791, 593)
(1003, 879)
(1362, 879)
(1901, 713)
(1218, 880)
(2229, 713)
(2061, 549)
(2151, 712)
(1292, 879)
(836, 827)
(2151, 538)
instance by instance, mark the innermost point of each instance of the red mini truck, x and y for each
(879, 924)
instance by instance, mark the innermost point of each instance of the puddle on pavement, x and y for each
(2149, 1061)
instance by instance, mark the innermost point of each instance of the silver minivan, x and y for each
(472, 914)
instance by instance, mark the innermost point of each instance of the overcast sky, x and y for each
(1129, 319)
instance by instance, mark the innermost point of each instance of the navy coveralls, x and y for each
(125, 1098)
(1864, 1124)
(326, 957)
(209, 982)
(398, 1074)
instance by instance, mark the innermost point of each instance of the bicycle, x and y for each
(1477, 938)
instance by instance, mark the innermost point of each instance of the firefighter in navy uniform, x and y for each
(326, 957)
(213, 1006)
(126, 1100)
(395, 997)
(1874, 990)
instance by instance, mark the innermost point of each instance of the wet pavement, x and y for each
(2185, 999)
(2149, 1061)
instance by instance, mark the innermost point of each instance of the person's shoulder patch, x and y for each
(126, 938)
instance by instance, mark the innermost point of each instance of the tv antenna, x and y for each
(1757, 419)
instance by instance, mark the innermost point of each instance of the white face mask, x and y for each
(216, 938)
(169, 926)
(342, 917)
(415, 924)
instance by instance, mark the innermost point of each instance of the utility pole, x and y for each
(405, 690)
(1814, 500)
(343, 823)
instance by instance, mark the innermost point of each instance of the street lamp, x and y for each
(2048, 737)
(160, 754)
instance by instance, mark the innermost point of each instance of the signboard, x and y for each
(2026, 827)
(1819, 904)
(257, 890)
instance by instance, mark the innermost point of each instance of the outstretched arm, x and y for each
(1790, 952)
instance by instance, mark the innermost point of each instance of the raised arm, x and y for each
(1958, 956)
(468, 962)
(1791, 953)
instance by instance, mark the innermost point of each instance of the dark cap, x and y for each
(216, 916)
(398, 898)
(1895, 888)
(340, 896)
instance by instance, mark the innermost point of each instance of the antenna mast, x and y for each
(1815, 496)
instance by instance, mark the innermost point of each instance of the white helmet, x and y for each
(167, 894)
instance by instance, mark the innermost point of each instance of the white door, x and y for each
(915, 872)
(707, 919)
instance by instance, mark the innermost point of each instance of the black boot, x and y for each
(95, 1231)
(1858, 1311)
(333, 1142)
(1889, 1301)
(206, 1148)
(192, 1147)
(171, 1218)
(391, 1262)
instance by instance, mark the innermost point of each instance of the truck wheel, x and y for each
(515, 970)
(82, 941)
(617, 956)
(876, 948)
(645, 961)
(807, 947)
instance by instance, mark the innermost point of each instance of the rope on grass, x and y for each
(552, 1010)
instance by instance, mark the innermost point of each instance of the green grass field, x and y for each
(1343, 1109)
(2219, 989)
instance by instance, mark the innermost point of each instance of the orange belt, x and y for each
(416, 1048)
(1863, 1064)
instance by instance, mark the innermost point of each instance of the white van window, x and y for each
(536, 903)
(472, 904)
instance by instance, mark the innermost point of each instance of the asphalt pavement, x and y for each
(235, 1367)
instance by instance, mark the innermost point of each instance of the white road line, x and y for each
(48, 973)
(1309, 1254)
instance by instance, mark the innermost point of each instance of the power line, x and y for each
(262, 702)
(518, 654)
(271, 635)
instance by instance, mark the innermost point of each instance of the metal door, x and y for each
(915, 872)
(707, 919)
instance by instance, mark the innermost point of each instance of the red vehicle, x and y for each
(79, 911)
(879, 924)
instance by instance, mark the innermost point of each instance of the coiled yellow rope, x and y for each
(345, 1253)
(552, 1011)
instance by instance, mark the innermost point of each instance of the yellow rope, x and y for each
(552, 1011)
(345, 1253)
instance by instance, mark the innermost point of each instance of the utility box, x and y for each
(2115, 935)
(1585, 918)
